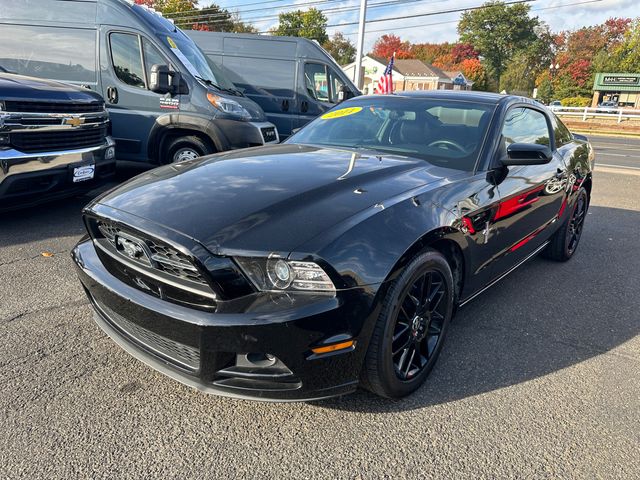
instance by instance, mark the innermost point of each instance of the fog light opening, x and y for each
(261, 359)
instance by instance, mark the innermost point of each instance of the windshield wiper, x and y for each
(218, 87)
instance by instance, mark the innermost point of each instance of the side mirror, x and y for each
(527, 154)
(160, 81)
(345, 93)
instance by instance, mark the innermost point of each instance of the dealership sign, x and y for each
(621, 80)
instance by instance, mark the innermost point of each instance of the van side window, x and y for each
(315, 77)
(336, 86)
(127, 58)
(151, 56)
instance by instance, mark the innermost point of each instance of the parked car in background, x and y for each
(299, 271)
(555, 105)
(53, 140)
(167, 102)
(607, 107)
(293, 79)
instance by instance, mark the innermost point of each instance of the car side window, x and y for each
(560, 132)
(336, 86)
(315, 77)
(525, 125)
(127, 59)
(151, 56)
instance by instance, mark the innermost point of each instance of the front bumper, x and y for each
(31, 178)
(209, 350)
(248, 134)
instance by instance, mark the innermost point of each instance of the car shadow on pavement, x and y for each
(544, 317)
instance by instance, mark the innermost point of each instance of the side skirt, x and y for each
(531, 255)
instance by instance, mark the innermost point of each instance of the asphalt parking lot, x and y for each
(540, 377)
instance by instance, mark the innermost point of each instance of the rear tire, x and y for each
(183, 149)
(564, 242)
(411, 327)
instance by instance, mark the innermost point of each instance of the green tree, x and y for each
(498, 32)
(310, 24)
(626, 56)
(341, 49)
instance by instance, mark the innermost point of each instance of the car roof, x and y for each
(466, 95)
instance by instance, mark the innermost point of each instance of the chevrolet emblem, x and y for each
(73, 121)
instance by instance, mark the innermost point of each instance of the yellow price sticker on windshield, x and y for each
(343, 112)
(171, 43)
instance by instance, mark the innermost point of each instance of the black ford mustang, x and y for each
(299, 271)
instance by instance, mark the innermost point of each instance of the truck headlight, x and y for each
(269, 274)
(228, 106)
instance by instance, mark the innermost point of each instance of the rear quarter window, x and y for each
(67, 54)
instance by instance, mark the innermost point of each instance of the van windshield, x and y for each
(196, 62)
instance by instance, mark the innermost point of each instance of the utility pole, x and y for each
(360, 46)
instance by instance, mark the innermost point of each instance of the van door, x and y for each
(126, 58)
(320, 91)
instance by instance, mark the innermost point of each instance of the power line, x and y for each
(258, 19)
(428, 14)
(456, 21)
(182, 15)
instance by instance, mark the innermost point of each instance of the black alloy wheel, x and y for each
(564, 242)
(418, 326)
(410, 330)
(576, 223)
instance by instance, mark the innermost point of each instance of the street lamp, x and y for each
(553, 69)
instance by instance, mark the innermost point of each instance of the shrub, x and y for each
(576, 102)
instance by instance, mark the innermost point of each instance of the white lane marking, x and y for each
(623, 167)
(614, 155)
(618, 145)
(600, 147)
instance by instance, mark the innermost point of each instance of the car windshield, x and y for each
(444, 132)
(196, 62)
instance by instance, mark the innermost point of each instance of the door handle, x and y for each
(112, 95)
(305, 106)
(285, 105)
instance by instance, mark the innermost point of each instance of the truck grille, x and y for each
(184, 355)
(41, 141)
(53, 107)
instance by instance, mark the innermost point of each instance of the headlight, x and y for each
(269, 274)
(228, 106)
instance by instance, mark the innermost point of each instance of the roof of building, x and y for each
(412, 67)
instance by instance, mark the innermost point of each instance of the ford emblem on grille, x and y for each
(133, 248)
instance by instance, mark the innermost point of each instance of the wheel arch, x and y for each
(444, 240)
(168, 127)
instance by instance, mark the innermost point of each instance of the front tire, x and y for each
(187, 148)
(564, 242)
(411, 328)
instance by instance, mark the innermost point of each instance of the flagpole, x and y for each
(358, 80)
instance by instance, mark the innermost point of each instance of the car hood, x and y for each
(268, 199)
(19, 87)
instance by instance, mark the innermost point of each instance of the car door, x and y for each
(126, 59)
(531, 196)
(320, 91)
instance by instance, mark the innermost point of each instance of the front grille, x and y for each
(176, 352)
(39, 141)
(162, 257)
(53, 107)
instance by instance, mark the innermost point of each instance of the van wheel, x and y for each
(183, 149)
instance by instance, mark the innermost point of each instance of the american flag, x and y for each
(385, 84)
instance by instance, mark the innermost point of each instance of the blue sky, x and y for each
(436, 28)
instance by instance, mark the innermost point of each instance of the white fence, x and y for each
(603, 112)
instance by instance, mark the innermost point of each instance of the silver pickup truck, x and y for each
(54, 140)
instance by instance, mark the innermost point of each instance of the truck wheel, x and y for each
(182, 149)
